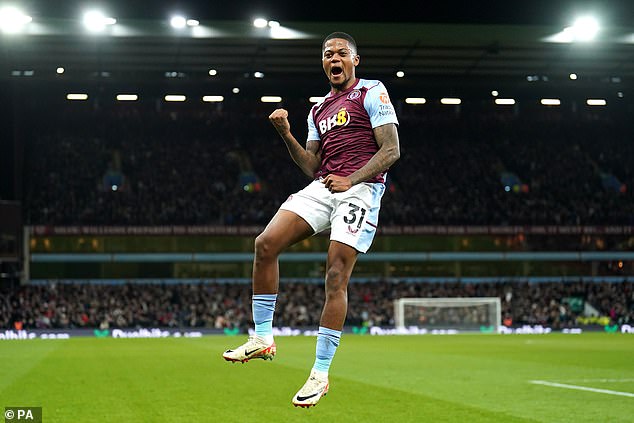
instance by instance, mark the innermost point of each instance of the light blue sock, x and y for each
(263, 309)
(327, 343)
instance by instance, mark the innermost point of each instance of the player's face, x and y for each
(339, 60)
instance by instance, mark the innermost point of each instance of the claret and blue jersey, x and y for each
(343, 123)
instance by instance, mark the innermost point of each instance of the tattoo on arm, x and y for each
(389, 152)
(313, 148)
(308, 159)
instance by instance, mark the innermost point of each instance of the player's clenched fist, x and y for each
(279, 119)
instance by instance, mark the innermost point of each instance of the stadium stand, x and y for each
(215, 165)
(223, 165)
(216, 305)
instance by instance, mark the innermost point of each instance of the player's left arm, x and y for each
(389, 152)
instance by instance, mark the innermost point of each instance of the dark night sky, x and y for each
(533, 12)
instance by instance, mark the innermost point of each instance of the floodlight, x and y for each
(213, 72)
(77, 96)
(178, 22)
(213, 98)
(270, 99)
(95, 20)
(175, 97)
(258, 75)
(596, 102)
(284, 33)
(415, 100)
(192, 22)
(127, 97)
(573, 76)
(584, 29)
(274, 24)
(504, 101)
(235, 90)
(495, 93)
(449, 100)
(12, 19)
(260, 23)
(400, 74)
(550, 101)
(60, 70)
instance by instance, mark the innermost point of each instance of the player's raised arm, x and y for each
(389, 152)
(308, 159)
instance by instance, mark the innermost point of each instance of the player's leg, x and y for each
(285, 229)
(353, 226)
(340, 263)
(341, 260)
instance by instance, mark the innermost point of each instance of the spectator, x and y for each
(220, 306)
(185, 167)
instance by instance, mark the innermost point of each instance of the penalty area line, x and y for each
(582, 388)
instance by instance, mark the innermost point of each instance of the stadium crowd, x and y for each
(224, 164)
(217, 305)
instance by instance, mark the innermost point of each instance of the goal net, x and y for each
(480, 314)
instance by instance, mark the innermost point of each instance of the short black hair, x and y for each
(342, 35)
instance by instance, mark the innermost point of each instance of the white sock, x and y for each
(267, 339)
(319, 374)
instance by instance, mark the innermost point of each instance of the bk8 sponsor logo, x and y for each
(341, 118)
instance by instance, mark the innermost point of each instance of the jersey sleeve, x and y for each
(313, 134)
(379, 107)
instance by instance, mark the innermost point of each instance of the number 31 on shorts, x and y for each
(352, 215)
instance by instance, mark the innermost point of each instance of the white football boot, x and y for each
(315, 387)
(255, 347)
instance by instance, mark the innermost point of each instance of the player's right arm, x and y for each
(308, 159)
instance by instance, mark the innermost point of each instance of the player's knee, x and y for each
(264, 248)
(333, 275)
(336, 280)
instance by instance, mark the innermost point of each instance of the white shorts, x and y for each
(352, 216)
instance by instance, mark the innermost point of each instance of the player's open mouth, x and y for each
(335, 70)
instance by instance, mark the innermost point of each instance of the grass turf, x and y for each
(460, 378)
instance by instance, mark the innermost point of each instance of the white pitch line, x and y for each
(582, 388)
(599, 380)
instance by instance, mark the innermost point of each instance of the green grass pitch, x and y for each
(397, 379)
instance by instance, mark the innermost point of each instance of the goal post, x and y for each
(477, 314)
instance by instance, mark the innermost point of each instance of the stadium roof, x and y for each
(150, 51)
(520, 12)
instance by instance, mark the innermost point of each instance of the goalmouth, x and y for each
(456, 315)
